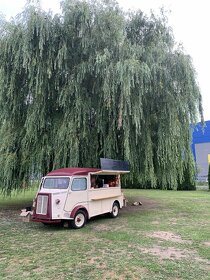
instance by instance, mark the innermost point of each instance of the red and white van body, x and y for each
(54, 204)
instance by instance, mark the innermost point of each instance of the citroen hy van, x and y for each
(74, 195)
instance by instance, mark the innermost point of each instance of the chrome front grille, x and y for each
(41, 205)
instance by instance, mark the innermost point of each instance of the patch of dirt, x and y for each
(207, 243)
(147, 204)
(38, 270)
(171, 253)
(8, 213)
(10, 269)
(173, 221)
(26, 273)
(8, 216)
(101, 227)
(169, 236)
(97, 262)
(166, 253)
(126, 274)
(108, 227)
(110, 275)
(201, 260)
(155, 223)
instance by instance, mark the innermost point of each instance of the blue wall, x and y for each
(200, 135)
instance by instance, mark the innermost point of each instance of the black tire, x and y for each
(79, 220)
(115, 210)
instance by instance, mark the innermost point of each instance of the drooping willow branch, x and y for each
(94, 82)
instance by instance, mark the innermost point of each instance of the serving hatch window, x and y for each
(56, 183)
(104, 181)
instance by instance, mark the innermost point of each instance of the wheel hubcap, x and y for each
(115, 210)
(79, 220)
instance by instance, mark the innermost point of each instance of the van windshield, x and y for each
(56, 183)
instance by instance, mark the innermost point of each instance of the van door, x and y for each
(77, 194)
(95, 202)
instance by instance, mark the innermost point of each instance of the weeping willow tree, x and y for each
(94, 82)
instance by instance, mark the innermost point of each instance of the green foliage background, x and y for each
(94, 82)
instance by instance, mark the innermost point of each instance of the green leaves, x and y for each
(94, 82)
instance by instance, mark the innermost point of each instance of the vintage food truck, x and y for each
(74, 195)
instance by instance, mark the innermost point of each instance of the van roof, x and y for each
(72, 171)
(84, 171)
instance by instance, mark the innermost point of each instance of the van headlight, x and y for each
(57, 201)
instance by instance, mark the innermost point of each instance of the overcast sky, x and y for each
(190, 21)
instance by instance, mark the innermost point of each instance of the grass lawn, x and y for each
(168, 237)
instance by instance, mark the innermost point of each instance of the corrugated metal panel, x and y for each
(201, 148)
(202, 151)
(200, 135)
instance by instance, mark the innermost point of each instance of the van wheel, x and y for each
(115, 210)
(79, 220)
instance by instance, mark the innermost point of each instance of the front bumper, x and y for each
(45, 221)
